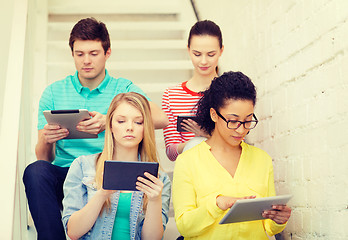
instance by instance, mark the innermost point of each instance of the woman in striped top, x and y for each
(205, 48)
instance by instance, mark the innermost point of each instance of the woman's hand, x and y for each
(225, 202)
(152, 188)
(279, 213)
(105, 193)
(81, 221)
(192, 126)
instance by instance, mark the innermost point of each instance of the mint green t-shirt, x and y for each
(70, 94)
(121, 229)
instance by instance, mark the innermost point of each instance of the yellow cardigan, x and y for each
(199, 179)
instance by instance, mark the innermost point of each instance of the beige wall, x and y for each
(13, 28)
(5, 26)
(296, 52)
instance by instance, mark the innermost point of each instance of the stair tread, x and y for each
(126, 25)
(134, 44)
(136, 65)
(113, 7)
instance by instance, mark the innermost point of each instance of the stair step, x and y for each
(131, 65)
(123, 31)
(154, 65)
(113, 7)
(116, 26)
(126, 55)
(172, 77)
(136, 76)
(144, 50)
(155, 96)
(164, 72)
(113, 17)
(155, 88)
(130, 44)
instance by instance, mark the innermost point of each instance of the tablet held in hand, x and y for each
(119, 175)
(69, 119)
(251, 209)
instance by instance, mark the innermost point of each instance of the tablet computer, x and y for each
(120, 175)
(251, 209)
(179, 120)
(69, 119)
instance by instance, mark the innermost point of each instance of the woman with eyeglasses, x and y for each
(210, 177)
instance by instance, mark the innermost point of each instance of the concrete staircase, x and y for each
(148, 42)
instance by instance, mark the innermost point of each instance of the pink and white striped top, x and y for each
(178, 101)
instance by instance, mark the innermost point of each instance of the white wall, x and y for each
(5, 25)
(13, 16)
(6, 15)
(296, 52)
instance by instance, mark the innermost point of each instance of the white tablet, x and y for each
(69, 119)
(251, 209)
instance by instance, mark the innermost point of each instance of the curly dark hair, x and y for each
(230, 85)
(90, 29)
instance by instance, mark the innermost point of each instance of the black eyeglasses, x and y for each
(233, 124)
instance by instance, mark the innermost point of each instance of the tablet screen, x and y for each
(123, 175)
(251, 209)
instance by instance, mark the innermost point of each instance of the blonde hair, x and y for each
(147, 147)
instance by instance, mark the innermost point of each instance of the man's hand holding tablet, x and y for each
(95, 125)
(53, 132)
(63, 124)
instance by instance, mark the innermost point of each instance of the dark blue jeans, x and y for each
(44, 189)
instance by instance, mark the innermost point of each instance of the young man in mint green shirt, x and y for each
(91, 88)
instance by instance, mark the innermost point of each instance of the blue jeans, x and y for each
(44, 189)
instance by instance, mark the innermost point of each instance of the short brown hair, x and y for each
(90, 29)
